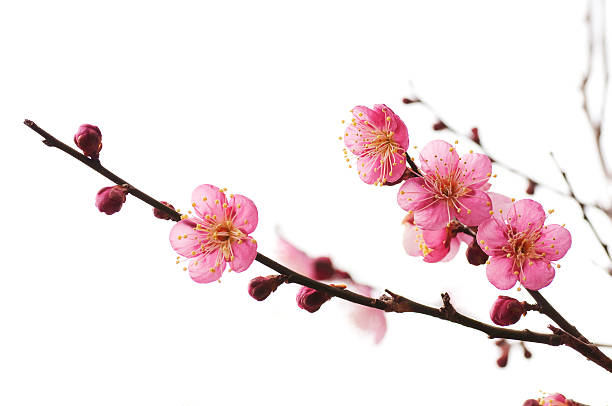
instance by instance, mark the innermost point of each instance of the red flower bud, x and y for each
(475, 136)
(502, 361)
(323, 269)
(89, 139)
(262, 286)
(110, 199)
(406, 100)
(506, 311)
(160, 214)
(439, 125)
(475, 255)
(531, 402)
(310, 299)
(531, 186)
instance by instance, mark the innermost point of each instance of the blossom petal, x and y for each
(435, 216)
(244, 254)
(475, 208)
(369, 169)
(455, 243)
(393, 123)
(290, 256)
(369, 319)
(209, 200)
(375, 117)
(203, 269)
(184, 239)
(413, 195)
(555, 240)
(398, 166)
(439, 157)
(411, 242)
(500, 272)
(500, 202)
(526, 214)
(475, 170)
(245, 213)
(491, 235)
(353, 138)
(537, 274)
(435, 240)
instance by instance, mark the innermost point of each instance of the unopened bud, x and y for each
(323, 269)
(531, 402)
(475, 255)
(475, 136)
(160, 214)
(506, 311)
(89, 139)
(502, 361)
(110, 199)
(406, 100)
(262, 286)
(531, 186)
(310, 299)
(439, 125)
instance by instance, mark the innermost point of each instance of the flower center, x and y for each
(219, 237)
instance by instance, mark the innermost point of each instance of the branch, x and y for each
(582, 208)
(417, 99)
(596, 124)
(392, 303)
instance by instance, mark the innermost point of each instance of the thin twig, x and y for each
(389, 303)
(586, 218)
(418, 99)
(596, 124)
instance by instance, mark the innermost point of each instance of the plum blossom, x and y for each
(379, 139)
(320, 268)
(506, 311)
(451, 187)
(110, 199)
(552, 400)
(433, 245)
(521, 247)
(89, 139)
(218, 235)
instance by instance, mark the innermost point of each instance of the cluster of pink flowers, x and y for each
(448, 202)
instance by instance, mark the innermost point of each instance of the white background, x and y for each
(249, 95)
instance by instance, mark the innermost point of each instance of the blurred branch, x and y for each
(596, 123)
(390, 302)
(475, 137)
(605, 246)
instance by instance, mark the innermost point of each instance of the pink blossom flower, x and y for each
(451, 187)
(521, 247)
(219, 235)
(110, 199)
(379, 139)
(553, 400)
(433, 245)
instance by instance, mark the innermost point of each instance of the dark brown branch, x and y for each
(586, 218)
(95, 164)
(391, 303)
(590, 351)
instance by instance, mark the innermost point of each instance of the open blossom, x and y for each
(451, 187)
(433, 245)
(521, 247)
(379, 139)
(553, 400)
(218, 236)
